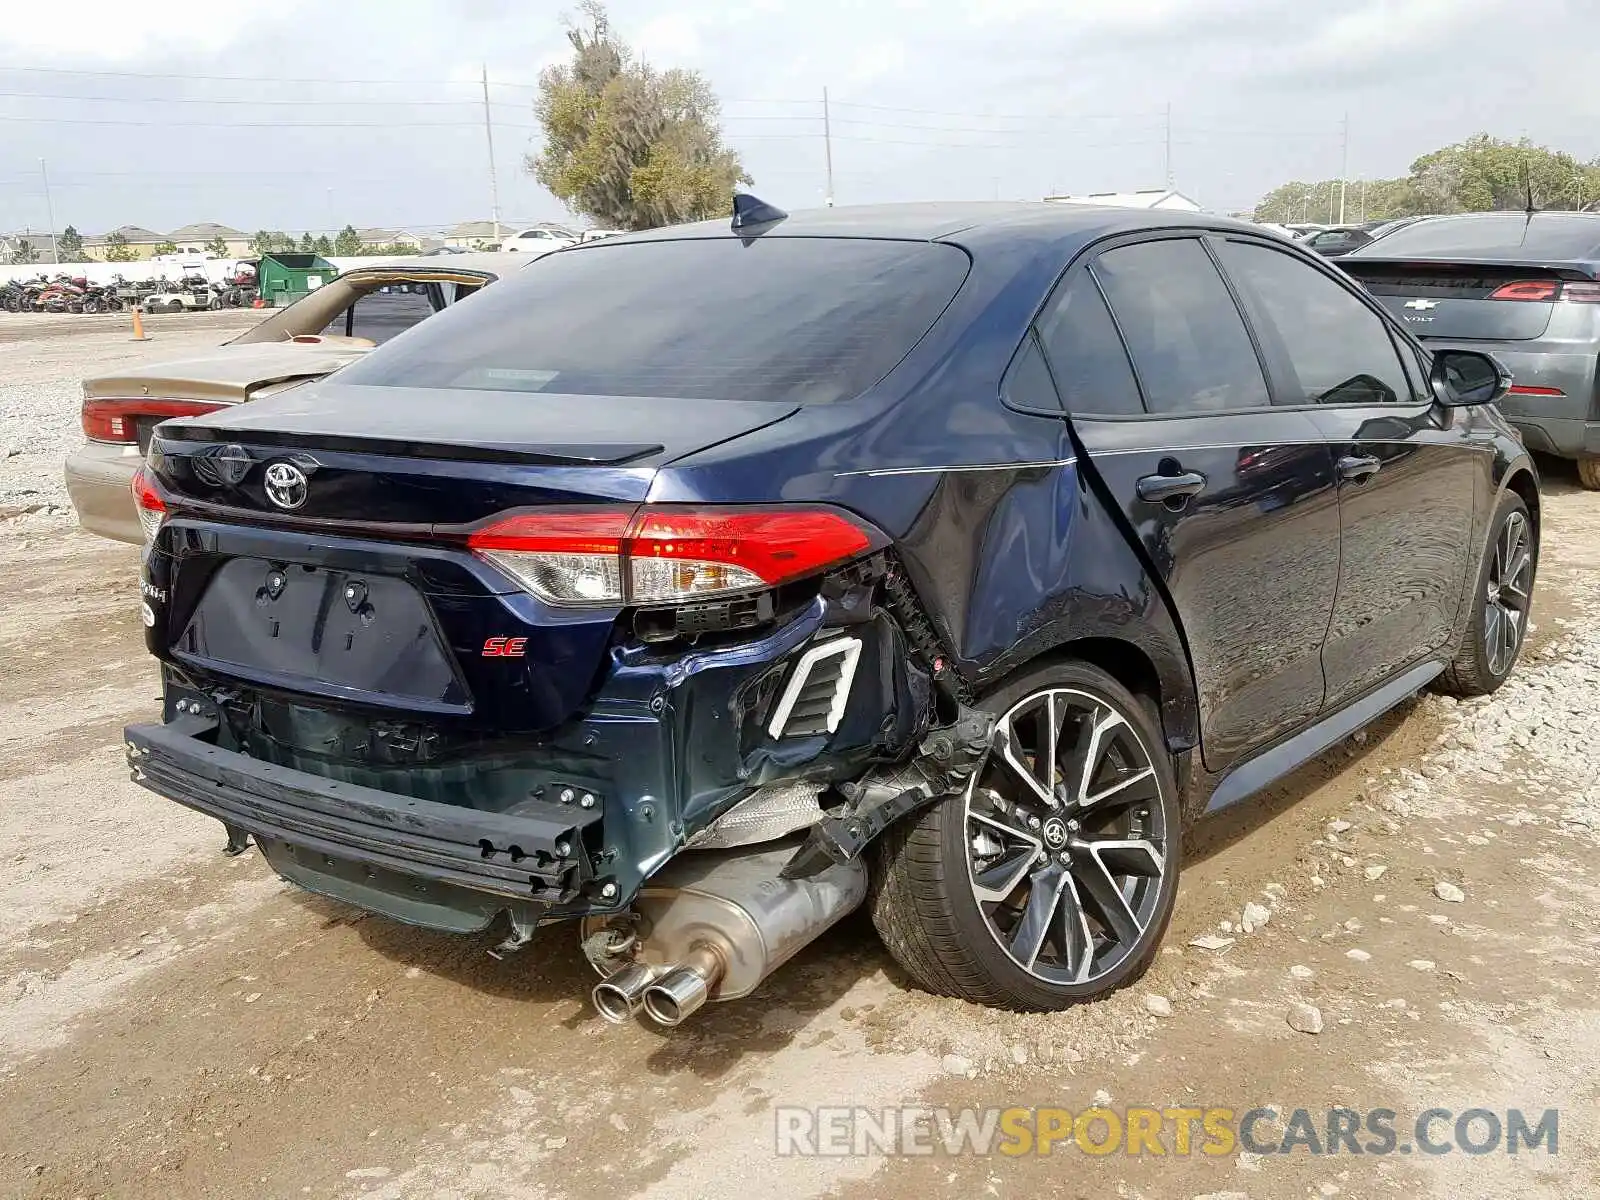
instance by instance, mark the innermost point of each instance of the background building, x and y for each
(1165, 198)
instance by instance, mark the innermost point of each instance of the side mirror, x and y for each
(1462, 378)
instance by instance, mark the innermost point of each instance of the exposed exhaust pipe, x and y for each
(712, 925)
(683, 991)
(618, 997)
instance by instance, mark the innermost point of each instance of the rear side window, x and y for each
(1028, 385)
(1188, 342)
(1086, 354)
(797, 320)
(1340, 349)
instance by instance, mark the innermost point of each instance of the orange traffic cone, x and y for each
(139, 334)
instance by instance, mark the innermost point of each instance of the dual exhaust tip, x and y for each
(668, 996)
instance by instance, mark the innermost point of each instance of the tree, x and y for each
(167, 247)
(308, 244)
(1480, 174)
(25, 252)
(625, 144)
(1485, 173)
(70, 243)
(218, 246)
(348, 243)
(118, 250)
(324, 246)
(266, 241)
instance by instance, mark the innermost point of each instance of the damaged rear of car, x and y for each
(561, 612)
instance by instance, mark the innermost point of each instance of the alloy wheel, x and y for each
(1510, 586)
(1066, 837)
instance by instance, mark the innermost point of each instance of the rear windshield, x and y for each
(800, 320)
(1492, 236)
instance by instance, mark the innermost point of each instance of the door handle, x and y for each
(1357, 469)
(1160, 489)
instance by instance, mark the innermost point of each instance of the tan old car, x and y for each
(333, 326)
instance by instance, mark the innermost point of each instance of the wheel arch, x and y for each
(1520, 479)
(1133, 666)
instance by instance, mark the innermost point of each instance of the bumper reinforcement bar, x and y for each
(532, 853)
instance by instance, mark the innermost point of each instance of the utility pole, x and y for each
(1167, 161)
(827, 148)
(1344, 163)
(50, 211)
(494, 182)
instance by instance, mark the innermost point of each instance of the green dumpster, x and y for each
(284, 278)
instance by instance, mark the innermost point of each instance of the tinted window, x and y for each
(1494, 235)
(1028, 384)
(1186, 337)
(379, 315)
(1086, 355)
(800, 320)
(1340, 349)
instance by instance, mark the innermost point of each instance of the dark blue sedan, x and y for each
(705, 584)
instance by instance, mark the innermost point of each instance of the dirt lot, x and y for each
(174, 1023)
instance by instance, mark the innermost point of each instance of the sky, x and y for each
(294, 114)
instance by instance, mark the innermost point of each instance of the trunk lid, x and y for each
(228, 374)
(356, 585)
(424, 457)
(1450, 299)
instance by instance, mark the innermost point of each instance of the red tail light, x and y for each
(1546, 291)
(665, 554)
(1527, 389)
(151, 508)
(118, 420)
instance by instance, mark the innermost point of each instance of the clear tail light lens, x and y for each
(565, 557)
(665, 554)
(148, 503)
(117, 421)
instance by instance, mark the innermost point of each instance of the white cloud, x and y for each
(122, 31)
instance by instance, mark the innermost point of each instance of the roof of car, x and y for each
(965, 223)
(1495, 236)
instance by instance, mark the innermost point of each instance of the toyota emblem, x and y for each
(286, 485)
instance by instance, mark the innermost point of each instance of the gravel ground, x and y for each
(1424, 897)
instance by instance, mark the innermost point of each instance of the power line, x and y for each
(240, 100)
(931, 112)
(250, 124)
(237, 78)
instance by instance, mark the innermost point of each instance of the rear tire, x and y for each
(1589, 473)
(1496, 621)
(1000, 897)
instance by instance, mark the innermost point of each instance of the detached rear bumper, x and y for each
(357, 838)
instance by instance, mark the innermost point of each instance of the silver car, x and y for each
(1525, 286)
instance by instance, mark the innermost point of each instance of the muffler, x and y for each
(713, 924)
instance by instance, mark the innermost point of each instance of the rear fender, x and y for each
(1016, 564)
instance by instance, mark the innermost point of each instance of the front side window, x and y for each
(1183, 330)
(1339, 348)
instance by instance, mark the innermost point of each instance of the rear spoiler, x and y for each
(1357, 264)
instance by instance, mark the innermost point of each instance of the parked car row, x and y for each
(949, 560)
